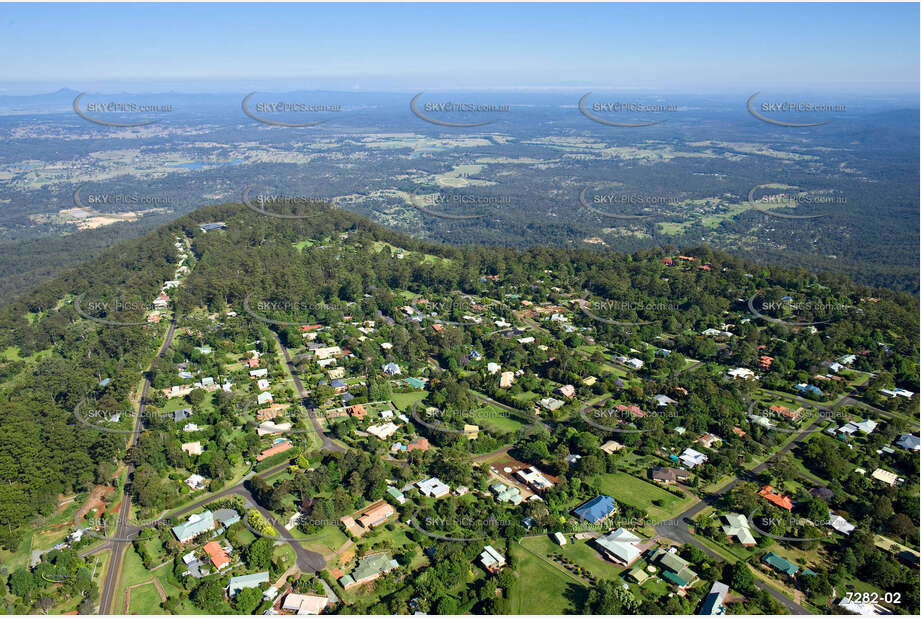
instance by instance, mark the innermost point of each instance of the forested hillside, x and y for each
(53, 358)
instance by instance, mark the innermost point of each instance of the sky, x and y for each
(870, 48)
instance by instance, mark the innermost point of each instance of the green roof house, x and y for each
(196, 524)
(252, 580)
(675, 569)
(369, 568)
(780, 564)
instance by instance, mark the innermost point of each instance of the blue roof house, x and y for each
(596, 509)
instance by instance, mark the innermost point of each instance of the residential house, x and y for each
(692, 458)
(909, 442)
(196, 524)
(597, 509)
(264, 398)
(898, 392)
(196, 482)
(327, 352)
(270, 428)
(840, 524)
(763, 421)
(181, 415)
(491, 559)
(471, 432)
(391, 369)
(281, 447)
(664, 400)
(713, 602)
(549, 403)
(767, 492)
(669, 476)
(263, 384)
(611, 446)
(192, 448)
(741, 372)
(780, 564)
(535, 480)
(433, 488)
(673, 568)
(252, 580)
(419, 444)
(258, 373)
(383, 431)
(885, 476)
(620, 546)
(305, 604)
(568, 391)
(397, 495)
(369, 568)
(217, 554)
(737, 526)
(504, 493)
(376, 515)
(709, 439)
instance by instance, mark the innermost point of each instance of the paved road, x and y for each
(676, 528)
(326, 443)
(123, 529)
(307, 561)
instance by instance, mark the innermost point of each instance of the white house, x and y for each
(433, 488)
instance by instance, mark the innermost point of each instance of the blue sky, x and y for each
(870, 48)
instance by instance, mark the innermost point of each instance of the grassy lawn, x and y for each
(542, 589)
(133, 572)
(404, 401)
(526, 396)
(497, 420)
(286, 553)
(144, 600)
(579, 551)
(640, 494)
(326, 541)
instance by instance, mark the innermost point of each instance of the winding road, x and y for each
(123, 529)
(307, 561)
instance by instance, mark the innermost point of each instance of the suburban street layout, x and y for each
(513, 309)
(376, 447)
